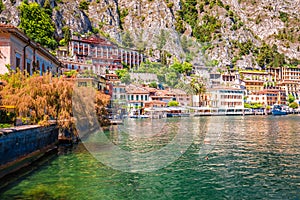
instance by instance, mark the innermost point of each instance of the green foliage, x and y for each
(71, 73)
(268, 107)
(140, 43)
(198, 88)
(121, 72)
(287, 34)
(204, 32)
(267, 56)
(212, 63)
(62, 42)
(164, 74)
(245, 47)
(253, 105)
(171, 79)
(153, 85)
(291, 98)
(283, 16)
(7, 117)
(161, 39)
(123, 75)
(122, 13)
(84, 5)
(88, 74)
(47, 7)
(173, 104)
(127, 40)
(67, 36)
(182, 68)
(126, 78)
(2, 6)
(95, 30)
(188, 14)
(5, 125)
(37, 24)
(293, 105)
(185, 87)
(170, 5)
(220, 3)
(187, 45)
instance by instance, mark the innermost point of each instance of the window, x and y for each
(18, 61)
(28, 66)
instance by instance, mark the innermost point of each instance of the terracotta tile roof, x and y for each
(137, 92)
(6, 26)
(150, 89)
(111, 75)
(253, 81)
(164, 97)
(156, 102)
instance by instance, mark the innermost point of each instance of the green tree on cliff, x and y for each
(37, 24)
(2, 6)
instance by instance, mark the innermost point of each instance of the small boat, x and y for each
(279, 110)
(177, 112)
(139, 116)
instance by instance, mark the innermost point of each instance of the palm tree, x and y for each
(198, 87)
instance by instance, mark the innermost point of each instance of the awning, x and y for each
(7, 107)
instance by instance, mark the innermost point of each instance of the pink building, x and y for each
(20, 52)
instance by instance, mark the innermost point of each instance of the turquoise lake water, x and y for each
(236, 157)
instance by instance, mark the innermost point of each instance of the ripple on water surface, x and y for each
(256, 157)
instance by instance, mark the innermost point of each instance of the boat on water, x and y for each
(177, 112)
(138, 114)
(206, 111)
(279, 110)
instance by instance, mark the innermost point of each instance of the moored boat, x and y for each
(139, 116)
(177, 112)
(279, 110)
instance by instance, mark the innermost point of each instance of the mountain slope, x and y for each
(237, 33)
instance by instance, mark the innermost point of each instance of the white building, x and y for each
(225, 98)
(136, 96)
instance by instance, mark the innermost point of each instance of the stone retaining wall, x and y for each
(24, 143)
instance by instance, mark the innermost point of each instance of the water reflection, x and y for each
(255, 158)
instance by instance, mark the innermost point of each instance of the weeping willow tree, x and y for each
(101, 101)
(39, 99)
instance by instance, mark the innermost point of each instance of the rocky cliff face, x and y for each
(270, 21)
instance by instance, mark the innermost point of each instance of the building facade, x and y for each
(20, 52)
(225, 98)
(98, 54)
